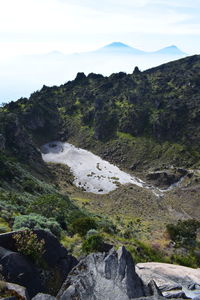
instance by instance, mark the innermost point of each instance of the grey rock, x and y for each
(18, 269)
(18, 289)
(41, 296)
(103, 276)
(153, 292)
(21, 270)
(175, 294)
(194, 287)
(55, 254)
(172, 280)
(166, 178)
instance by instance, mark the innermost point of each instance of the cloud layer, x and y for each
(40, 25)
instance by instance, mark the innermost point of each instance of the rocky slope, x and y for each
(109, 275)
(146, 123)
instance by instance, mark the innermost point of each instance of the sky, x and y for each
(41, 26)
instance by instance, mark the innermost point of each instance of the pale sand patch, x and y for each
(91, 173)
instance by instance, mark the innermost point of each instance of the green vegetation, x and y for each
(141, 121)
(83, 225)
(184, 233)
(93, 243)
(27, 243)
(34, 221)
(187, 246)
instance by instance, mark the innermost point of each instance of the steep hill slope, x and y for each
(161, 105)
(148, 123)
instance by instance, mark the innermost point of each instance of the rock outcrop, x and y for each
(99, 276)
(174, 281)
(18, 269)
(41, 296)
(103, 276)
(46, 277)
(166, 178)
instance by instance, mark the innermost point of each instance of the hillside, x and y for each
(147, 123)
(161, 105)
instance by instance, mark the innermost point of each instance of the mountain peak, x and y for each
(173, 49)
(117, 45)
(120, 48)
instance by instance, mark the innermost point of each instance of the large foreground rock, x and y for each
(46, 277)
(103, 276)
(18, 269)
(174, 281)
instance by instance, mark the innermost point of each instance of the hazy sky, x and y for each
(38, 26)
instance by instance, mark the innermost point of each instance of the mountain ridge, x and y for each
(147, 123)
(118, 46)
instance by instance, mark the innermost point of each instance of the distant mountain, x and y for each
(170, 50)
(121, 48)
(118, 47)
(21, 76)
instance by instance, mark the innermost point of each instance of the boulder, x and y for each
(10, 290)
(103, 276)
(16, 268)
(21, 270)
(153, 292)
(21, 291)
(174, 281)
(41, 296)
(55, 254)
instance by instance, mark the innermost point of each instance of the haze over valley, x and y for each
(21, 76)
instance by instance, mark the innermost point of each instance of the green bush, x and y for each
(184, 233)
(31, 186)
(34, 221)
(27, 243)
(51, 205)
(188, 260)
(107, 226)
(93, 244)
(83, 225)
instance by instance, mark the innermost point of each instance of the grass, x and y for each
(73, 244)
(4, 226)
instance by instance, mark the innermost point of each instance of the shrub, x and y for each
(83, 225)
(51, 205)
(188, 260)
(93, 244)
(91, 232)
(184, 233)
(27, 243)
(34, 221)
(107, 226)
(31, 186)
